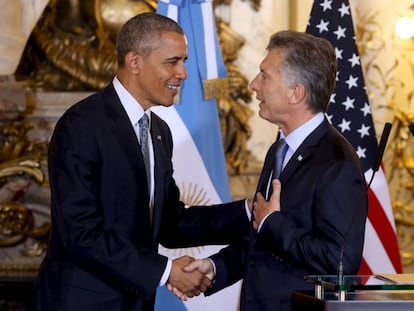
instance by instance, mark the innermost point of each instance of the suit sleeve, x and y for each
(183, 226)
(205, 225)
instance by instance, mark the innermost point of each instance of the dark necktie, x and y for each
(281, 149)
(143, 140)
(280, 152)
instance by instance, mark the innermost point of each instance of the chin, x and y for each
(262, 114)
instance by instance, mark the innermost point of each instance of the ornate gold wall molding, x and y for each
(388, 64)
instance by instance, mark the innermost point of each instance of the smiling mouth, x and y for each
(173, 87)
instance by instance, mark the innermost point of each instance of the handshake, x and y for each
(190, 277)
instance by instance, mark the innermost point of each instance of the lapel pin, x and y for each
(159, 137)
(300, 158)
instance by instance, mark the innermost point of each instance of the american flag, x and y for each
(349, 111)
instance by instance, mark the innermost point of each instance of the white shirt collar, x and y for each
(132, 107)
(296, 138)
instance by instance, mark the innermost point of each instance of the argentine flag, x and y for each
(198, 155)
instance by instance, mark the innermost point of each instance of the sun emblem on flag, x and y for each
(192, 194)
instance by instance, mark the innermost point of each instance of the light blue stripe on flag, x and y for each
(199, 115)
(167, 301)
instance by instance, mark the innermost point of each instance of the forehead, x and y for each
(271, 64)
(273, 59)
(172, 43)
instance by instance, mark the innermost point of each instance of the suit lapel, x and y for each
(123, 130)
(160, 140)
(266, 170)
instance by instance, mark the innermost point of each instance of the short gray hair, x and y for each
(308, 60)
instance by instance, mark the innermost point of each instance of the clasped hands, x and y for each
(190, 277)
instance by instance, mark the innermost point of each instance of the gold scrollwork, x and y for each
(388, 82)
(20, 162)
(17, 223)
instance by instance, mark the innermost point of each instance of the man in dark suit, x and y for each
(319, 201)
(107, 216)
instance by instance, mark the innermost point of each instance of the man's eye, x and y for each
(173, 61)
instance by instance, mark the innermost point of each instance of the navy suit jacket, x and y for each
(323, 187)
(102, 253)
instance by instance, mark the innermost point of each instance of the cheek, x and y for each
(271, 94)
(277, 95)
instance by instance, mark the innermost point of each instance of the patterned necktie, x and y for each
(143, 140)
(281, 149)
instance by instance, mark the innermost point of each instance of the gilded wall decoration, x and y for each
(22, 168)
(389, 70)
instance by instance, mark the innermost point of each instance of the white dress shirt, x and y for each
(135, 111)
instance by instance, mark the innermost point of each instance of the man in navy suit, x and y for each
(107, 216)
(319, 203)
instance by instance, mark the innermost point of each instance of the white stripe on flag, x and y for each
(172, 9)
(374, 252)
(380, 188)
(209, 42)
(186, 156)
(173, 12)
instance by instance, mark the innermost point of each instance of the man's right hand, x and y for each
(203, 266)
(262, 208)
(188, 282)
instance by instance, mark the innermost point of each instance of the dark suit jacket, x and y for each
(102, 254)
(323, 187)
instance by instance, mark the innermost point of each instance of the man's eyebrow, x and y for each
(176, 58)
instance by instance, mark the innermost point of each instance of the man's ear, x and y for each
(298, 94)
(133, 61)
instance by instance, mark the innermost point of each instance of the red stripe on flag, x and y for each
(384, 230)
(364, 269)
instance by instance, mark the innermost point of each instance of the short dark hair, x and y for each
(308, 60)
(142, 34)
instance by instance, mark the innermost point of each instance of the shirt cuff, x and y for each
(249, 214)
(214, 266)
(166, 274)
